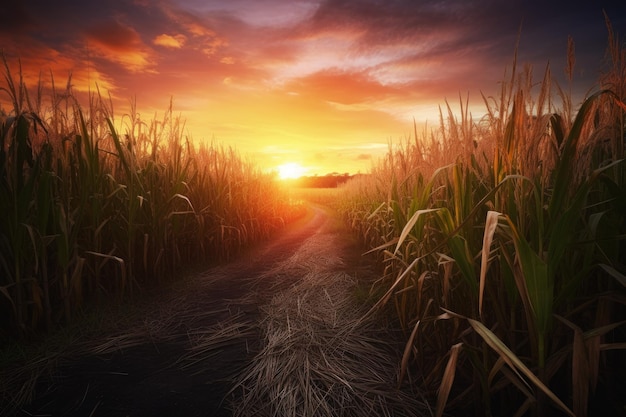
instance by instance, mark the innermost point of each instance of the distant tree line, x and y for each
(325, 181)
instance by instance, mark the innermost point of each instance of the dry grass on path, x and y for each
(316, 354)
(319, 357)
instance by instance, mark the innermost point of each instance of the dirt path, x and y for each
(181, 357)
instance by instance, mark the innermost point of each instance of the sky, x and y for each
(326, 84)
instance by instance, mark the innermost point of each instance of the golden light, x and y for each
(290, 170)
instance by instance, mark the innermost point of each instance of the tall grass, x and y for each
(503, 246)
(89, 212)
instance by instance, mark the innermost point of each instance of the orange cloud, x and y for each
(200, 35)
(333, 78)
(46, 65)
(199, 30)
(169, 41)
(121, 44)
(344, 87)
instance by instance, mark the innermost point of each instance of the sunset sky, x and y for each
(324, 84)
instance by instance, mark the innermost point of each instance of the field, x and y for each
(500, 241)
(97, 210)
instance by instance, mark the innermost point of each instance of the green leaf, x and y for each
(409, 226)
(514, 362)
(619, 277)
(490, 228)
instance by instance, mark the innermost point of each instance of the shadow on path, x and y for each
(181, 357)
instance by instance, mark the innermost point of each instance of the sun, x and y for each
(290, 170)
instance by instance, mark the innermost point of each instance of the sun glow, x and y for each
(290, 170)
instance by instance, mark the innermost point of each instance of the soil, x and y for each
(181, 355)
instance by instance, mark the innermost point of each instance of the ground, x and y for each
(199, 349)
